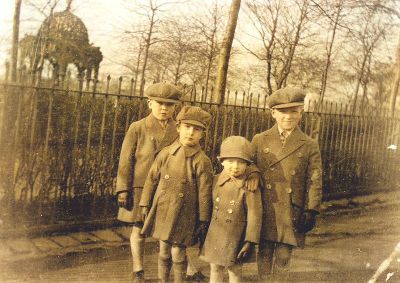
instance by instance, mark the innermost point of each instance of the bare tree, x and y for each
(396, 82)
(225, 52)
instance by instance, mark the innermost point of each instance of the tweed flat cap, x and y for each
(236, 147)
(286, 97)
(164, 93)
(194, 115)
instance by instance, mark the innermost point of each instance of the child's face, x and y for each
(189, 135)
(234, 167)
(287, 118)
(161, 110)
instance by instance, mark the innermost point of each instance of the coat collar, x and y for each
(224, 177)
(294, 141)
(189, 150)
(153, 124)
(164, 136)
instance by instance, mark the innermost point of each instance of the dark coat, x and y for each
(236, 217)
(292, 178)
(181, 178)
(144, 139)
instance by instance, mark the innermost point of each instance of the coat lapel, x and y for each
(296, 140)
(161, 137)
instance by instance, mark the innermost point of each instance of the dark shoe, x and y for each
(138, 277)
(197, 277)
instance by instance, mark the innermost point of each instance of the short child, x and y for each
(237, 213)
(181, 177)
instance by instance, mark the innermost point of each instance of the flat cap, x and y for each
(195, 116)
(286, 97)
(164, 92)
(236, 147)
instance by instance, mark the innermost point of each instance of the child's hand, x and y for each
(252, 182)
(201, 232)
(145, 212)
(245, 251)
(122, 199)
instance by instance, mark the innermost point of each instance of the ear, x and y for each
(149, 103)
(273, 113)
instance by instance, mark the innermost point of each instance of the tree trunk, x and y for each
(396, 82)
(15, 39)
(146, 51)
(225, 52)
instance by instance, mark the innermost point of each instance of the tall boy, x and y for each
(290, 163)
(181, 177)
(144, 139)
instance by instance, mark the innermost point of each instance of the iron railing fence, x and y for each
(63, 148)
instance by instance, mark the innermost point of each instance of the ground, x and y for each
(346, 247)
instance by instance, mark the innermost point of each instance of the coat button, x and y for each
(292, 172)
(266, 150)
(216, 208)
(269, 186)
(299, 154)
(180, 195)
(217, 199)
(230, 211)
(166, 177)
(232, 202)
(152, 138)
(272, 168)
(163, 192)
(288, 190)
(228, 221)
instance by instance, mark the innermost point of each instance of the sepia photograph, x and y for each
(200, 141)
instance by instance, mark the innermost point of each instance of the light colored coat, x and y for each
(236, 217)
(292, 178)
(144, 139)
(181, 178)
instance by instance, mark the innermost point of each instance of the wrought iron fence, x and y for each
(63, 147)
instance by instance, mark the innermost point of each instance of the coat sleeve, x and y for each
(204, 180)
(254, 216)
(314, 178)
(127, 160)
(152, 179)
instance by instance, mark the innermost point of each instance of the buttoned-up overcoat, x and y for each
(143, 140)
(236, 217)
(292, 182)
(180, 180)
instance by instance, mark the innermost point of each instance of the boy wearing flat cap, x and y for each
(237, 213)
(144, 139)
(178, 190)
(290, 163)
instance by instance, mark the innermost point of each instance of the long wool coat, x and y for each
(292, 182)
(144, 139)
(181, 178)
(236, 217)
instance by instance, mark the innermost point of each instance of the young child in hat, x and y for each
(237, 213)
(144, 139)
(178, 190)
(290, 162)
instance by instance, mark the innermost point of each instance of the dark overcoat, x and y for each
(236, 217)
(144, 139)
(178, 189)
(292, 182)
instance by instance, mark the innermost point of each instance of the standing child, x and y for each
(144, 139)
(181, 177)
(237, 213)
(290, 162)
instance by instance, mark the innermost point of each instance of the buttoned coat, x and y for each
(143, 140)
(292, 182)
(236, 218)
(180, 180)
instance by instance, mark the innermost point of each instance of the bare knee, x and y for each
(178, 254)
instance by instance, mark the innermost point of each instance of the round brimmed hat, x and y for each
(195, 116)
(236, 147)
(164, 92)
(286, 97)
